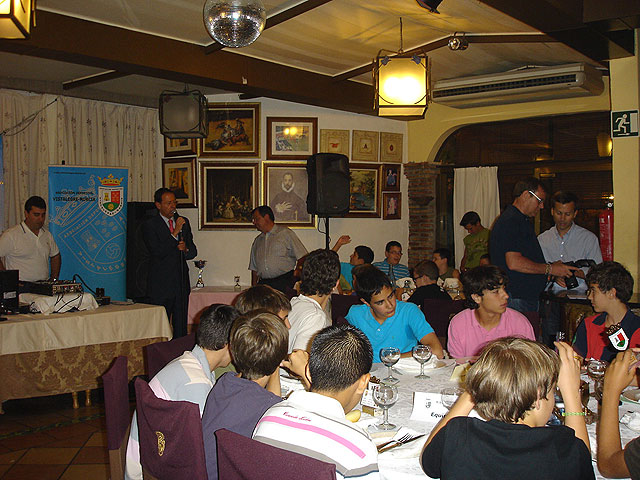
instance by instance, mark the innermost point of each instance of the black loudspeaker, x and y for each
(183, 114)
(8, 291)
(328, 193)
(137, 254)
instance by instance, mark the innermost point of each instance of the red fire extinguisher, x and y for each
(605, 221)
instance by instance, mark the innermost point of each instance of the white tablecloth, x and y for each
(409, 468)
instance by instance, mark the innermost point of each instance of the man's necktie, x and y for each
(171, 225)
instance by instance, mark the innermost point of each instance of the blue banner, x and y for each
(88, 220)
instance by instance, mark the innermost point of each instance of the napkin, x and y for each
(631, 420)
(460, 372)
(409, 365)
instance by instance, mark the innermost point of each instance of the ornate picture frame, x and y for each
(174, 147)
(364, 190)
(391, 173)
(284, 189)
(234, 131)
(334, 141)
(364, 146)
(391, 206)
(291, 138)
(228, 194)
(179, 176)
(391, 147)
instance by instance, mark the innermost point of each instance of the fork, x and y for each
(398, 443)
(402, 439)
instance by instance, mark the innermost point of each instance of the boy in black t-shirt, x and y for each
(512, 387)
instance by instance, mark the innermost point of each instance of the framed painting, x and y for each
(227, 194)
(391, 147)
(291, 138)
(179, 176)
(285, 191)
(391, 208)
(334, 141)
(364, 190)
(174, 147)
(234, 130)
(391, 177)
(365, 146)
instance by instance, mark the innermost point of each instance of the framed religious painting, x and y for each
(291, 138)
(391, 207)
(228, 194)
(364, 146)
(391, 147)
(284, 189)
(391, 177)
(179, 176)
(174, 147)
(364, 190)
(234, 130)
(334, 141)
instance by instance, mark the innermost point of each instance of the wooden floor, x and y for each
(46, 439)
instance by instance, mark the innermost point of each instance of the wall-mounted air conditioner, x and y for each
(526, 85)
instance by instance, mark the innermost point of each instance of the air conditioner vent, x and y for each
(496, 87)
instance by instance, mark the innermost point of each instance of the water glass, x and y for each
(449, 396)
(421, 354)
(595, 370)
(385, 397)
(390, 356)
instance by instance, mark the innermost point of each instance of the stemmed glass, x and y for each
(421, 354)
(390, 356)
(385, 396)
(595, 370)
(449, 396)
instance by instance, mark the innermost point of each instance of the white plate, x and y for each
(632, 395)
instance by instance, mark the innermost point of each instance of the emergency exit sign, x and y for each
(624, 123)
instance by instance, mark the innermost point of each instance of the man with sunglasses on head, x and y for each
(515, 249)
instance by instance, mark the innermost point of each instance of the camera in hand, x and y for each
(571, 281)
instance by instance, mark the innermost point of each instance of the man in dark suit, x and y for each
(170, 242)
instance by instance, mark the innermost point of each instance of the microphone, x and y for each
(175, 219)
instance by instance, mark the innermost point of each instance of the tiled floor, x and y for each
(45, 439)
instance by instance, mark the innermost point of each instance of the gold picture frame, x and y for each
(364, 146)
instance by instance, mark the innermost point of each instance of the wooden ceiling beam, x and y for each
(92, 79)
(276, 19)
(63, 38)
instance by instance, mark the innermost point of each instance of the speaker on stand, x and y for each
(328, 189)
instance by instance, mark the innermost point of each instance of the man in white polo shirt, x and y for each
(28, 247)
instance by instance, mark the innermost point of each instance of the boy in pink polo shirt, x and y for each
(488, 317)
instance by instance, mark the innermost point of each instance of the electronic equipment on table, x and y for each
(51, 287)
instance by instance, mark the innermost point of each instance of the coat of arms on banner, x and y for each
(110, 195)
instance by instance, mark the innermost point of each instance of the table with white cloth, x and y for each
(201, 298)
(68, 352)
(397, 464)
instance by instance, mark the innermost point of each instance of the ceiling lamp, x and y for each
(431, 5)
(458, 42)
(234, 23)
(15, 18)
(400, 82)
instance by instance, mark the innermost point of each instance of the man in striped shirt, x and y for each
(313, 423)
(391, 264)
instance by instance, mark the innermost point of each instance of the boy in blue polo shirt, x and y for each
(388, 322)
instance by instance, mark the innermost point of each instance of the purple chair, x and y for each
(171, 446)
(439, 312)
(241, 458)
(116, 405)
(340, 305)
(159, 354)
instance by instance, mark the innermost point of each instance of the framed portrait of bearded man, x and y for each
(285, 191)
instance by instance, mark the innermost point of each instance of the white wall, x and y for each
(227, 251)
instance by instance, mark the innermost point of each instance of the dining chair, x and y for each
(116, 405)
(170, 437)
(242, 458)
(439, 312)
(340, 305)
(534, 320)
(158, 354)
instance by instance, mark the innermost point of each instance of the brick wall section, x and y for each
(422, 210)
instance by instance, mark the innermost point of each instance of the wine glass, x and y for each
(595, 370)
(421, 354)
(385, 396)
(390, 356)
(449, 396)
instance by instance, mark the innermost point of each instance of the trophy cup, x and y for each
(200, 264)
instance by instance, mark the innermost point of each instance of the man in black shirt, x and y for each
(425, 276)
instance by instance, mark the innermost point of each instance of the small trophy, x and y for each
(200, 264)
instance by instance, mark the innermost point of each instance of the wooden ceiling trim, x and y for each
(276, 19)
(92, 79)
(82, 42)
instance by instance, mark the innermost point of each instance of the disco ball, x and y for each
(234, 23)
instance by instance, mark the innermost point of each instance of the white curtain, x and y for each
(78, 132)
(474, 189)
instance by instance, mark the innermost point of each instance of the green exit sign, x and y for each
(624, 123)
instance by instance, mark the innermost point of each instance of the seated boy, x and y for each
(320, 274)
(512, 387)
(610, 288)
(362, 255)
(264, 297)
(613, 460)
(442, 257)
(190, 376)
(388, 322)
(425, 276)
(488, 318)
(258, 346)
(313, 423)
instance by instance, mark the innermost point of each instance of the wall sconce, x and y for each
(458, 43)
(15, 18)
(605, 145)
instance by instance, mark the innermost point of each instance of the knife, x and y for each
(397, 444)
